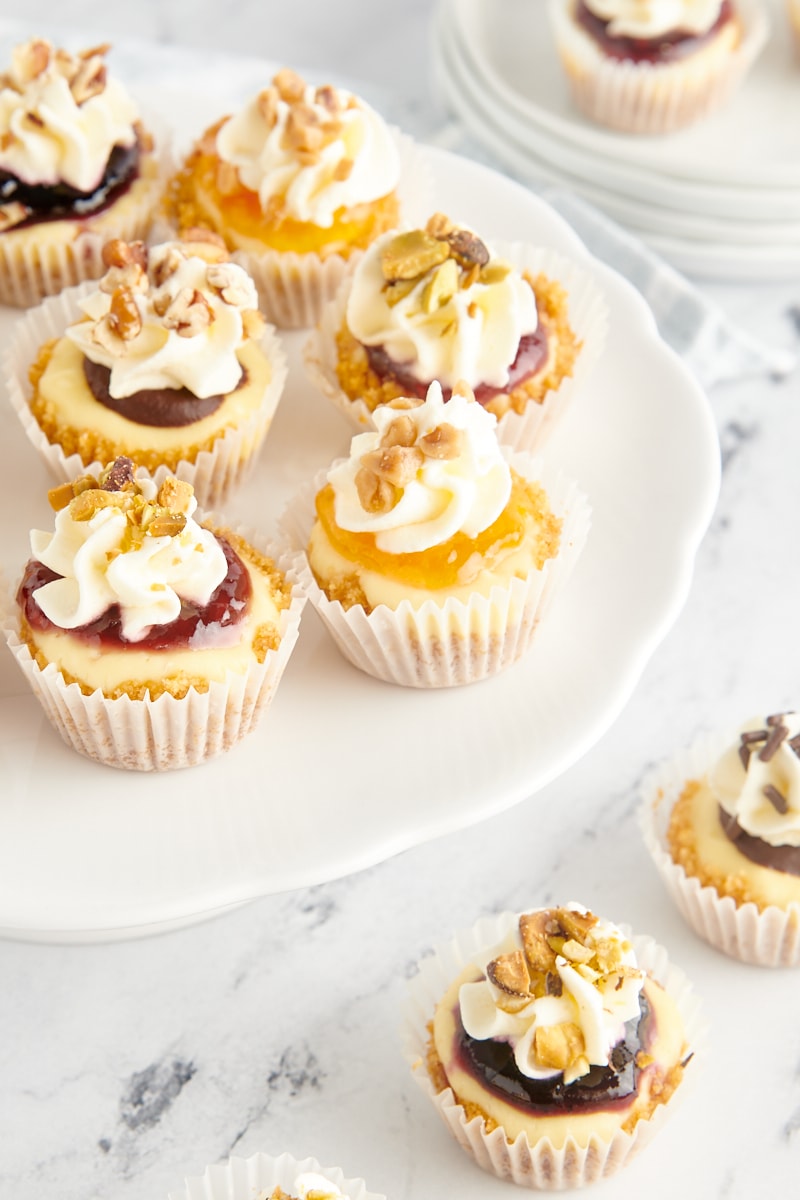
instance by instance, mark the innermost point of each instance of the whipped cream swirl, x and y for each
(471, 332)
(48, 133)
(191, 322)
(599, 992)
(102, 565)
(310, 1185)
(654, 18)
(269, 143)
(440, 496)
(764, 795)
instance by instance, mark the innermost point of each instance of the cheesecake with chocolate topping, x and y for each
(168, 362)
(737, 829)
(560, 1036)
(654, 66)
(131, 601)
(722, 823)
(440, 304)
(77, 167)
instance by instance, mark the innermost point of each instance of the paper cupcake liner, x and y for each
(528, 430)
(212, 474)
(293, 288)
(43, 259)
(540, 1166)
(255, 1178)
(166, 733)
(457, 642)
(769, 937)
(643, 98)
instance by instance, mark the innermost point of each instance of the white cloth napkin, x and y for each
(695, 326)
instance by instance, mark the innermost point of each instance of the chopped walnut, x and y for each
(227, 179)
(119, 476)
(30, 60)
(328, 97)
(443, 442)
(253, 323)
(189, 313)
(439, 225)
(124, 318)
(398, 465)
(267, 105)
(90, 80)
(228, 282)
(376, 495)
(401, 432)
(289, 85)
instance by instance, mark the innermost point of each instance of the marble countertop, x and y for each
(275, 1027)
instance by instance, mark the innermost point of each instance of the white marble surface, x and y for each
(127, 1066)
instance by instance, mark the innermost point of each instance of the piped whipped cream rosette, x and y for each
(299, 182)
(431, 553)
(722, 822)
(552, 1043)
(153, 639)
(655, 66)
(76, 167)
(167, 360)
(520, 325)
(273, 1178)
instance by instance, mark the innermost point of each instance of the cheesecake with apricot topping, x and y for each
(300, 181)
(430, 554)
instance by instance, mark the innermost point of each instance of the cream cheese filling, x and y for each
(106, 668)
(720, 857)
(668, 1050)
(64, 390)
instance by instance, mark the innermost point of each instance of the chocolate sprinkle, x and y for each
(779, 734)
(776, 798)
(794, 744)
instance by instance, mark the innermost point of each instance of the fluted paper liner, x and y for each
(540, 1166)
(769, 937)
(528, 430)
(255, 1178)
(212, 473)
(42, 259)
(647, 98)
(294, 287)
(166, 733)
(457, 642)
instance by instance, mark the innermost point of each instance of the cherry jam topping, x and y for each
(492, 1063)
(531, 354)
(197, 626)
(49, 202)
(668, 48)
(161, 408)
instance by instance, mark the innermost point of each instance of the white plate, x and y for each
(718, 250)
(346, 771)
(475, 86)
(749, 143)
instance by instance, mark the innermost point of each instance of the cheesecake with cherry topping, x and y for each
(130, 601)
(77, 167)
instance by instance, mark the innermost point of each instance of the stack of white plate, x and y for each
(720, 200)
